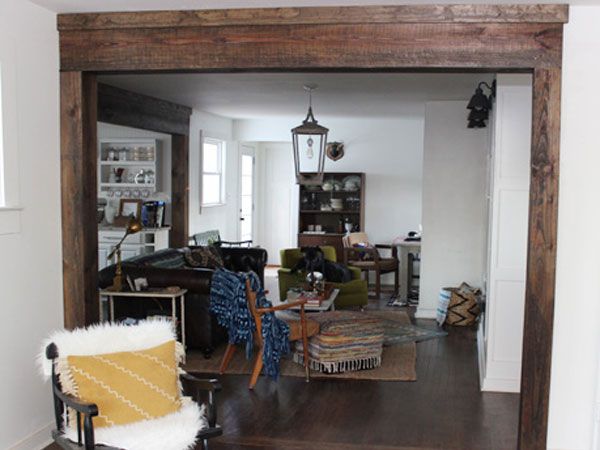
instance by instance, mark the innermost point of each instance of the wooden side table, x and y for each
(174, 295)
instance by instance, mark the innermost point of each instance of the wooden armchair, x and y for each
(302, 328)
(355, 256)
(192, 387)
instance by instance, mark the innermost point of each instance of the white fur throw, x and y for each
(176, 431)
(106, 338)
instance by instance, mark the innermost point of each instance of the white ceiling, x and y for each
(252, 95)
(73, 6)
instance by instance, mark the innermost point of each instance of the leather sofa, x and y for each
(168, 268)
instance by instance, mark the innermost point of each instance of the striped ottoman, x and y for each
(348, 341)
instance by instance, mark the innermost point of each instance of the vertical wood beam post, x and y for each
(541, 260)
(78, 155)
(180, 189)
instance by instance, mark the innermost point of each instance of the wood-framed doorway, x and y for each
(525, 38)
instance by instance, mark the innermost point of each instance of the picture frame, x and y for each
(130, 206)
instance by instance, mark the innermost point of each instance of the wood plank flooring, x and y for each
(443, 409)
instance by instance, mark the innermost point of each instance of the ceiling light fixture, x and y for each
(310, 136)
(480, 105)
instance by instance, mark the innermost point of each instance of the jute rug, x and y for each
(397, 363)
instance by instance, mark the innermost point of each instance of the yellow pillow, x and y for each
(128, 386)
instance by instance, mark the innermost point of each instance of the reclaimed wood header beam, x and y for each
(328, 47)
(126, 108)
(318, 16)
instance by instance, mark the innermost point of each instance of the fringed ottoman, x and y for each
(347, 341)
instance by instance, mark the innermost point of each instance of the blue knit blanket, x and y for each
(228, 303)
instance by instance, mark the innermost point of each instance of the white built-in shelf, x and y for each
(128, 185)
(128, 163)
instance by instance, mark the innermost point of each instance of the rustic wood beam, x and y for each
(180, 189)
(541, 260)
(126, 108)
(318, 16)
(79, 196)
(299, 47)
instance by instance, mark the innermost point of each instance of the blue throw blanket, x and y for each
(228, 303)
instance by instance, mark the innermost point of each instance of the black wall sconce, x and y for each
(480, 105)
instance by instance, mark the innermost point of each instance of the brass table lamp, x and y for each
(133, 226)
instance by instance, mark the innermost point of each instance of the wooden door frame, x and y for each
(525, 38)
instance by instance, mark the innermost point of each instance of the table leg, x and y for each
(182, 308)
(403, 274)
(111, 304)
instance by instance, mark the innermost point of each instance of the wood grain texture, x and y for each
(130, 109)
(303, 47)
(79, 192)
(318, 15)
(541, 260)
(180, 190)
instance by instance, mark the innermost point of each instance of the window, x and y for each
(213, 173)
(2, 187)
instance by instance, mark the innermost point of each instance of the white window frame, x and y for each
(10, 208)
(221, 145)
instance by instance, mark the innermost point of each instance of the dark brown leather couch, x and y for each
(168, 268)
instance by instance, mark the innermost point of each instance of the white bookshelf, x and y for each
(127, 167)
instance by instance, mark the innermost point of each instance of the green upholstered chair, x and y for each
(352, 293)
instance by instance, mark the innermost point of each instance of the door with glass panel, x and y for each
(246, 224)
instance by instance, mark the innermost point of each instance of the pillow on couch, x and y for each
(208, 257)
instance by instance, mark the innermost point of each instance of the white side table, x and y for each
(174, 295)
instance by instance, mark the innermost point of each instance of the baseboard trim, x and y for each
(509, 385)
(425, 313)
(37, 440)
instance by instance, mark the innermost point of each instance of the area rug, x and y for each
(397, 331)
(397, 363)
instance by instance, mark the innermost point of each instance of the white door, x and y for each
(246, 227)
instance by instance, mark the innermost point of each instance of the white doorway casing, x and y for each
(501, 335)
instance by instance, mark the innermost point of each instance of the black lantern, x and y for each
(480, 105)
(309, 141)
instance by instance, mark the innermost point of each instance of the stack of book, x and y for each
(312, 298)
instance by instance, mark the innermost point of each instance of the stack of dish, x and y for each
(337, 204)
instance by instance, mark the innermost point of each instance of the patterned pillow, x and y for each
(208, 257)
(127, 386)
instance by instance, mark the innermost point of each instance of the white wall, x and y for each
(388, 150)
(576, 345)
(454, 205)
(277, 198)
(31, 264)
(224, 217)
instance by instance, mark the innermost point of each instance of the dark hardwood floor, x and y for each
(443, 409)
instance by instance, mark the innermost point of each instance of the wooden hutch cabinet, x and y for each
(326, 212)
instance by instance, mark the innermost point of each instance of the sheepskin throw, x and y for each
(228, 303)
(135, 368)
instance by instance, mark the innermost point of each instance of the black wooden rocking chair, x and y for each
(192, 387)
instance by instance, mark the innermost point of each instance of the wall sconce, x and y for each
(480, 105)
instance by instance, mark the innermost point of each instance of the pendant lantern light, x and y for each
(309, 140)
